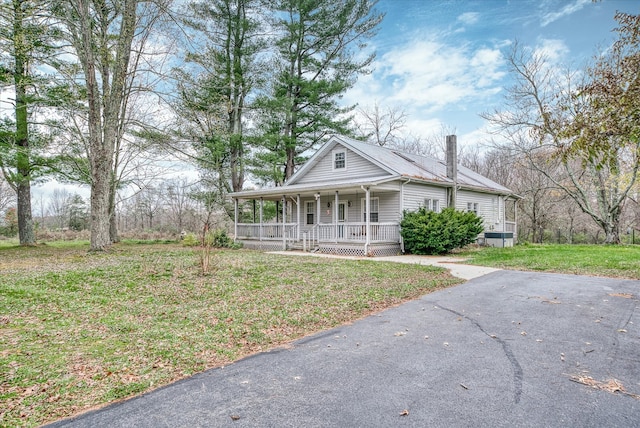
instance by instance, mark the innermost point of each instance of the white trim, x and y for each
(363, 210)
(334, 161)
(310, 203)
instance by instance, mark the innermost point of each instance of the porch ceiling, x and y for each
(310, 189)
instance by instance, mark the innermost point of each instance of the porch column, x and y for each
(298, 212)
(261, 208)
(318, 209)
(284, 222)
(515, 220)
(367, 227)
(319, 212)
(235, 220)
(335, 216)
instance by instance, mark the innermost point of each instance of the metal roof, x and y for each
(400, 165)
(422, 167)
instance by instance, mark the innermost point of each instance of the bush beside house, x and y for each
(428, 232)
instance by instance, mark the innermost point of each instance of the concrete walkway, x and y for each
(455, 264)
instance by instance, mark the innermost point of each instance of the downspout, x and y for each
(335, 215)
(284, 222)
(452, 167)
(235, 220)
(515, 219)
(402, 197)
(261, 210)
(367, 219)
(318, 212)
(298, 213)
(401, 214)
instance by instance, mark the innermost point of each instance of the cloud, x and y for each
(550, 17)
(431, 75)
(469, 18)
(554, 50)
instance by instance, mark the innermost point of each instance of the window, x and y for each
(432, 205)
(311, 208)
(374, 204)
(340, 160)
(472, 207)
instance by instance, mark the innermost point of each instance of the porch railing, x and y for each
(268, 231)
(330, 232)
(380, 232)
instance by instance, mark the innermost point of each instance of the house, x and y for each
(349, 198)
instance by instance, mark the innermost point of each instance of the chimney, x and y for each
(452, 167)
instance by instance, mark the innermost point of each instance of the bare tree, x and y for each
(381, 125)
(59, 207)
(178, 201)
(7, 196)
(545, 120)
(106, 36)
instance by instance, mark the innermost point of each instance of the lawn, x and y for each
(616, 261)
(79, 330)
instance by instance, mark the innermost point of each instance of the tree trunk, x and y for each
(113, 220)
(105, 99)
(25, 220)
(23, 159)
(100, 186)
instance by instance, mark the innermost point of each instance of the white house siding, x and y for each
(387, 209)
(489, 207)
(414, 195)
(356, 167)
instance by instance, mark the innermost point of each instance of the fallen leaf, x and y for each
(464, 386)
(523, 333)
(612, 385)
(405, 412)
(622, 330)
(235, 417)
(623, 295)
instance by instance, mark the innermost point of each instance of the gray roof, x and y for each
(421, 167)
(398, 164)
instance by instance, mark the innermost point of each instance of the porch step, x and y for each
(297, 246)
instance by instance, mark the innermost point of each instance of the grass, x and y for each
(79, 330)
(616, 261)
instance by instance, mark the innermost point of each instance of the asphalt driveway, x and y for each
(505, 349)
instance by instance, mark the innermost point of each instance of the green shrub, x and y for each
(428, 232)
(190, 240)
(220, 239)
(215, 239)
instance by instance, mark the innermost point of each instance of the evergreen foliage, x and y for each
(428, 232)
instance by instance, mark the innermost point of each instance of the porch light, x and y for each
(349, 203)
(317, 196)
(328, 204)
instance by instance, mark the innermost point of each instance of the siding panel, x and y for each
(414, 195)
(357, 167)
(488, 207)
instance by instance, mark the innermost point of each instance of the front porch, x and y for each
(354, 239)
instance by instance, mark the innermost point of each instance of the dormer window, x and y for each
(340, 159)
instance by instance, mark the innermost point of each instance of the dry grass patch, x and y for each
(80, 330)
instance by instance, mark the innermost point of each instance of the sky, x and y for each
(443, 61)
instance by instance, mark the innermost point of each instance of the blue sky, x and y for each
(443, 62)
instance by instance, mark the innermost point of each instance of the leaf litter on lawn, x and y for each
(82, 329)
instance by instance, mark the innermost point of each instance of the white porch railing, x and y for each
(267, 231)
(355, 232)
(342, 232)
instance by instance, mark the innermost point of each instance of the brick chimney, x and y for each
(452, 168)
